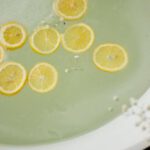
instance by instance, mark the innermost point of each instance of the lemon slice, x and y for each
(78, 38)
(13, 35)
(45, 40)
(43, 78)
(70, 9)
(1, 54)
(110, 57)
(12, 78)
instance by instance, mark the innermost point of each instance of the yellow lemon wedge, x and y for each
(70, 9)
(78, 38)
(45, 40)
(13, 35)
(110, 57)
(12, 78)
(43, 78)
(1, 54)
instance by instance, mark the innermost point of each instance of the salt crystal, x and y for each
(43, 22)
(144, 127)
(138, 111)
(138, 123)
(133, 101)
(148, 107)
(47, 26)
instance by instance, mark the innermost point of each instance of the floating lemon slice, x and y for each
(110, 57)
(43, 78)
(12, 78)
(70, 9)
(13, 35)
(78, 38)
(1, 54)
(45, 40)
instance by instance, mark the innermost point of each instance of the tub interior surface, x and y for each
(84, 96)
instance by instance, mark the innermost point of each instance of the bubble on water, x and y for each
(47, 26)
(110, 109)
(52, 14)
(61, 19)
(76, 68)
(116, 98)
(124, 108)
(43, 22)
(48, 19)
(76, 56)
(66, 70)
(56, 25)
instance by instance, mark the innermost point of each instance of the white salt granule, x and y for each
(133, 101)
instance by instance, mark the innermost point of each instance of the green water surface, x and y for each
(81, 100)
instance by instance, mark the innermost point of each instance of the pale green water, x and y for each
(80, 102)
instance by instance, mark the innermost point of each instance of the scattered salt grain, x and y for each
(133, 101)
(138, 123)
(144, 127)
(141, 112)
(148, 107)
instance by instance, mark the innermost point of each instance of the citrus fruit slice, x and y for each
(12, 78)
(78, 38)
(70, 9)
(13, 35)
(43, 78)
(1, 54)
(45, 40)
(110, 57)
